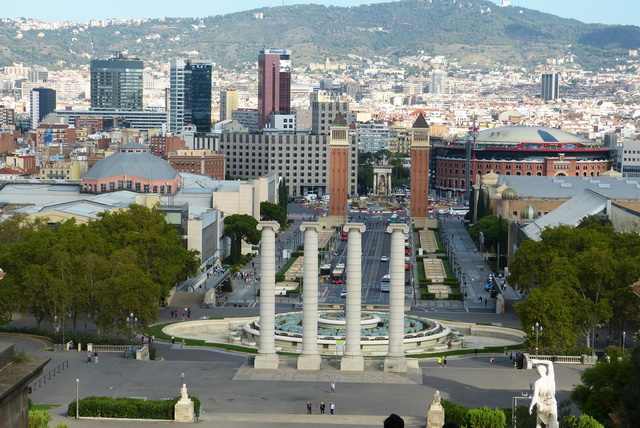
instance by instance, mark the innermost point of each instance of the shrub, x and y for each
(454, 413)
(39, 419)
(486, 418)
(128, 408)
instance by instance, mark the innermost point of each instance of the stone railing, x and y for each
(559, 359)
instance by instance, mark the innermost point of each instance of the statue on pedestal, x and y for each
(544, 395)
(183, 392)
(435, 415)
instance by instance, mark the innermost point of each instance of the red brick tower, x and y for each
(339, 167)
(420, 135)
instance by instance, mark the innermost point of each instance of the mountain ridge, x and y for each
(477, 33)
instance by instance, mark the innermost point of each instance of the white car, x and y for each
(384, 259)
(343, 293)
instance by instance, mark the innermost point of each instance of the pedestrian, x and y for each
(173, 340)
(332, 408)
(439, 361)
(172, 314)
(492, 361)
(153, 338)
(510, 356)
(322, 406)
(88, 357)
(308, 407)
(475, 354)
(188, 313)
(333, 387)
(480, 299)
(444, 361)
(465, 295)
(95, 357)
(485, 301)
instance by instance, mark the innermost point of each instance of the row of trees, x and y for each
(125, 262)
(577, 278)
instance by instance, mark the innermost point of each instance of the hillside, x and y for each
(466, 31)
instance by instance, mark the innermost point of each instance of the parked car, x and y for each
(487, 287)
(384, 259)
(207, 305)
(343, 292)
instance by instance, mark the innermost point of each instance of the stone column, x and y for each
(352, 360)
(309, 359)
(395, 361)
(267, 357)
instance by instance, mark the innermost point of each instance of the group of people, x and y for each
(186, 314)
(95, 357)
(322, 407)
(442, 361)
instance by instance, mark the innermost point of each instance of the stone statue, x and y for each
(544, 395)
(183, 392)
(436, 398)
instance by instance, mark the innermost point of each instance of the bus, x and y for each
(337, 276)
(394, 218)
(325, 271)
(385, 283)
(344, 236)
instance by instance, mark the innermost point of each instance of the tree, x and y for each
(493, 229)
(269, 211)
(240, 227)
(611, 386)
(283, 195)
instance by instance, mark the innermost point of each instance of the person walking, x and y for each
(309, 407)
(439, 361)
(333, 387)
(95, 357)
(444, 361)
(332, 408)
(88, 357)
(492, 361)
(322, 407)
(475, 354)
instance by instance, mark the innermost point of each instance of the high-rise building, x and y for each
(43, 102)
(274, 84)
(549, 86)
(190, 95)
(228, 103)
(116, 84)
(325, 105)
(438, 84)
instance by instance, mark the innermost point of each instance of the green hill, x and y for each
(463, 30)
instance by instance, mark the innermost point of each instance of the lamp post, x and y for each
(181, 379)
(624, 339)
(131, 320)
(77, 398)
(537, 329)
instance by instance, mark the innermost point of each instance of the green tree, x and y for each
(283, 195)
(494, 231)
(240, 227)
(269, 211)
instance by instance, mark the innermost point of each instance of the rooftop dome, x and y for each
(528, 212)
(509, 194)
(529, 134)
(139, 164)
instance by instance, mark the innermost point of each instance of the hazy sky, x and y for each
(604, 11)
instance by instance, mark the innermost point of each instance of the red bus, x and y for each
(344, 236)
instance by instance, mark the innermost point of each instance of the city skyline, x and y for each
(626, 12)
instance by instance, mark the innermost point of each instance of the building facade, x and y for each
(549, 86)
(325, 105)
(190, 95)
(117, 84)
(274, 84)
(42, 102)
(198, 162)
(228, 103)
(629, 158)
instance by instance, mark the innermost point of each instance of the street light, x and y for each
(77, 400)
(131, 320)
(181, 379)
(537, 329)
(624, 338)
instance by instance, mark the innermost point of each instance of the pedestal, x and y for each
(266, 362)
(395, 365)
(184, 411)
(352, 363)
(435, 415)
(309, 362)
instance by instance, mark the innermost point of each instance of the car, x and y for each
(487, 287)
(207, 305)
(407, 266)
(343, 292)
(384, 259)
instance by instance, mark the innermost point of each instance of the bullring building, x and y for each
(515, 150)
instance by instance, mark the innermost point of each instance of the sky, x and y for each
(624, 12)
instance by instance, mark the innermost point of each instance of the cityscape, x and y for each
(406, 236)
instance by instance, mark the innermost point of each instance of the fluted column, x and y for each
(352, 360)
(309, 358)
(267, 357)
(395, 360)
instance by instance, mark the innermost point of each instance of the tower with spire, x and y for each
(420, 145)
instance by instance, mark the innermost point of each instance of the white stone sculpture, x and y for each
(544, 395)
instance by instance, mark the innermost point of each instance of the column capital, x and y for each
(404, 228)
(315, 226)
(266, 225)
(360, 227)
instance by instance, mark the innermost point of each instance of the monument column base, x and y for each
(352, 363)
(266, 362)
(435, 415)
(309, 362)
(395, 364)
(184, 412)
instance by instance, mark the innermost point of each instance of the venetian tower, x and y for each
(420, 144)
(338, 170)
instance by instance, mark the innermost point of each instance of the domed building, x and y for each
(132, 168)
(516, 150)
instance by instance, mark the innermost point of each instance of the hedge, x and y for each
(128, 408)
